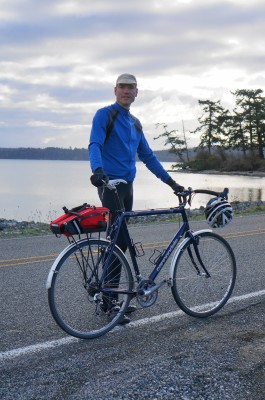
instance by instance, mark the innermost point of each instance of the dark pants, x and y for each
(106, 196)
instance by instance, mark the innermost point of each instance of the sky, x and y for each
(59, 61)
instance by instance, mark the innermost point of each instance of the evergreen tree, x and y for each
(211, 125)
(252, 106)
(177, 145)
(233, 126)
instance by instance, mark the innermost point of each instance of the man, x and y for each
(116, 138)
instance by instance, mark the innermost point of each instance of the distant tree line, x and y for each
(57, 153)
(48, 153)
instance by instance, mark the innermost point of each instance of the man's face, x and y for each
(125, 94)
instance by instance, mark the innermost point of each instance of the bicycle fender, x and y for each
(179, 248)
(58, 259)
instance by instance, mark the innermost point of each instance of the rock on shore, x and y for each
(8, 226)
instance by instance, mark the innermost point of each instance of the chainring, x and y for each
(144, 298)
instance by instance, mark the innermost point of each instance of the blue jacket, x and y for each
(117, 156)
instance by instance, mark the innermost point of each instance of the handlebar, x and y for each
(184, 197)
(114, 182)
(223, 194)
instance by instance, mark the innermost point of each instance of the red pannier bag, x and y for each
(82, 219)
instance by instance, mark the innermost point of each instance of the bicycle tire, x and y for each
(196, 293)
(76, 299)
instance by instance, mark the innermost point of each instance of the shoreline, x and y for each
(12, 228)
(216, 172)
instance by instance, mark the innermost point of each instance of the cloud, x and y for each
(59, 61)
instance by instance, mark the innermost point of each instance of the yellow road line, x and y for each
(28, 258)
(14, 262)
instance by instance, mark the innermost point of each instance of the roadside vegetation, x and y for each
(12, 228)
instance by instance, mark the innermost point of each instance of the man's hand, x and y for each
(99, 177)
(174, 185)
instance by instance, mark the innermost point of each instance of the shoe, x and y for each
(114, 311)
(129, 309)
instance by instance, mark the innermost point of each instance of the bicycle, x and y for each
(202, 272)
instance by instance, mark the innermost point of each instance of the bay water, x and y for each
(36, 190)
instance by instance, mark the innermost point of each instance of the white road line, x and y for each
(10, 354)
(246, 296)
(35, 348)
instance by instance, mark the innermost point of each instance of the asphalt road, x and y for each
(162, 354)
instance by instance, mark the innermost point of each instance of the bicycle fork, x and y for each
(195, 243)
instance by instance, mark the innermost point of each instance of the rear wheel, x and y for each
(201, 293)
(77, 299)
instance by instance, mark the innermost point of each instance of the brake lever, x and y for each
(224, 194)
(185, 197)
(189, 200)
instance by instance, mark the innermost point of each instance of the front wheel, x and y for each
(203, 282)
(79, 294)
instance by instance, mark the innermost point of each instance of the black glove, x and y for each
(98, 177)
(174, 185)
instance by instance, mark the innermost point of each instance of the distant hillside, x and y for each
(49, 153)
(56, 153)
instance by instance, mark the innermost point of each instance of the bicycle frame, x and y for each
(121, 225)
